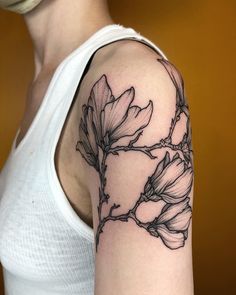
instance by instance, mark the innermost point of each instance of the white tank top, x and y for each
(45, 247)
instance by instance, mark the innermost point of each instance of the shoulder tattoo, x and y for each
(105, 120)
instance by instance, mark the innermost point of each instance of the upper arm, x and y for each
(135, 139)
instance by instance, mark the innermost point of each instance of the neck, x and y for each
(58, 27)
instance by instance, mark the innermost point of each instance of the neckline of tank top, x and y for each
(15, 149)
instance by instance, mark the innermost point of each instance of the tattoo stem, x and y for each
(122, 217)
(173, 123)
(102, 196)
(147, 149)
(166, 142)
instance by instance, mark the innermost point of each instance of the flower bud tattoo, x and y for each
(107, 119)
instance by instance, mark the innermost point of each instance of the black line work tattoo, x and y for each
(105, 121)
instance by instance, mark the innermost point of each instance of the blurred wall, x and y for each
(200, 38)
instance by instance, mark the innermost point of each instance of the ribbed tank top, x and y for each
(45, 247)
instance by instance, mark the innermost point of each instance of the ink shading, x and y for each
(105, 120)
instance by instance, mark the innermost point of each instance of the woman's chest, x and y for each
(67, 160)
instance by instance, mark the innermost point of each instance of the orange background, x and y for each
(200, 38)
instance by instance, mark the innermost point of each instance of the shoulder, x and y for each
(127, 64)
(154, 83)
(131, 62)
(127, 88)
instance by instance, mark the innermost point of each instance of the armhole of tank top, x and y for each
(62, 200)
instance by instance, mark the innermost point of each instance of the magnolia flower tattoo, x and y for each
(107, 119)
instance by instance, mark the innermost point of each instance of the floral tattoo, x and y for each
(106, 119)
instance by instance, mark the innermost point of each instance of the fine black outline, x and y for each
(105, 120)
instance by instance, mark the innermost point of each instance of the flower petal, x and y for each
(154, 198)
(115, 112)
(181, 221)
(176, 78)
(87, 144)
(172, 240)
(172, 211)
(185, 110)
(172, 171)
(91, 131)
(99, 96)
(136, 120)
(89, 158)
(181, 186)
(161, 165)
(84, 138)
(172, 199)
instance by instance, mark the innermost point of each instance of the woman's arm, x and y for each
(135, 139)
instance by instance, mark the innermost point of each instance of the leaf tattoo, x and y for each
(105, 120)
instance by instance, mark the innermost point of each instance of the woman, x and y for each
(96, 195)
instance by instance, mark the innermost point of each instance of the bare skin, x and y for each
(80, 20)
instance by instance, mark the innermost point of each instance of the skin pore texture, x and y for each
(124, 158)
